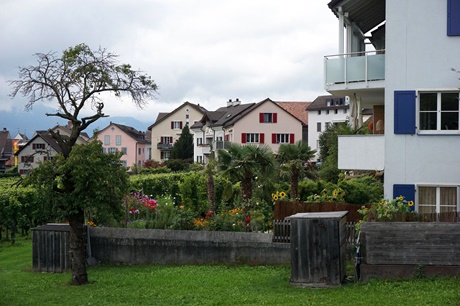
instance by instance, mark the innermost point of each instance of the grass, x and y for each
(201, 285)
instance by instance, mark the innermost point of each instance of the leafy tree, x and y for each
(210, 171)
(75, 80)
(328, 144)
(243, 163)
(292, 159)
(183, 147)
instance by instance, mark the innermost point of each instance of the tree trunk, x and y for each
(78, 248)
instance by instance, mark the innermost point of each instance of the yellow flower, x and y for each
(401, 198)
(282, 194)
(275, 197)
(410, 203)
(335, 193)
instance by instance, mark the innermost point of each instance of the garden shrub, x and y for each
(193, 192)
(362, 190)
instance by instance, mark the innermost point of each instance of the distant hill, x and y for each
(29, 122)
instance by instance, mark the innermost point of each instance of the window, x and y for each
(118, 140)
(27, 159)
(139, 151)
(327, 112)
(437, 199)
(319, 112)
(45, 158)
(199, 159)
(112, 150)
(123, 163)
(268, 117)
(439, 111)
(336, 111)
(124, 150)
(107, 140)
(176, 125)
(166, 139)
(345, 111)
(318, 126)
(38, 146)
(165, 155)
(282, 138)
(252, 138)
(199, 141)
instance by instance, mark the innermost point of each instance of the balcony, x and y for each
(222, 144)
(205, 148)
(361, 152)
(165, 146)
(356, 70)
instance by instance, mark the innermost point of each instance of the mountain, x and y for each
(29, 122)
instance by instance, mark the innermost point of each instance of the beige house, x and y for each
(168, 127)
(265, 122)
(43, 147)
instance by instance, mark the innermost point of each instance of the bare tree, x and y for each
(74, 80)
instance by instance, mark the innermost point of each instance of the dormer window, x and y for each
(268, 117)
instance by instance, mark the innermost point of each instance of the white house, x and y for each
(409, 79)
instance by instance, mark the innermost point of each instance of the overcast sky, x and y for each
(201, 51)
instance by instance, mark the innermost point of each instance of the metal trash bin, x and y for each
(318, 249)
(50, 248)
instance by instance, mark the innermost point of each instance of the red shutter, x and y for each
(275, 117)
(243, 137)
(291, 138)
(33, 146)
(180, 125)
(261, 138)
(227, 137)
(273, 138)
(261, 117)
(172, 125)
(170, 139)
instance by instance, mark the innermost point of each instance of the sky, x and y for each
(202, 51)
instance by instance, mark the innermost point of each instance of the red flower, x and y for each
(248, 219)
(209, 214)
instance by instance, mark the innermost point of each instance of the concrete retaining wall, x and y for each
(143, 246)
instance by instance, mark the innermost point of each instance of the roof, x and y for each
(321, 103)
(5, 143)
(366, 14)
(46, 136)
(163, 116)
(132, 132)
(297, 109)
(223, 116)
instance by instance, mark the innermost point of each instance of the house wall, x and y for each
(164, 127)
(419, 56)
(286, 124)
(314, 118)
(135, 152)
(39, 155)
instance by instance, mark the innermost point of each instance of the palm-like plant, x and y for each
(244, 163)
(292, 159)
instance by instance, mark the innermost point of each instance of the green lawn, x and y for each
(201, 285)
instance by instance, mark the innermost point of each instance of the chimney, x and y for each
(229, 103)
(237, 102)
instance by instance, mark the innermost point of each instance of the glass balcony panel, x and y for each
(376, 67)
(356, 69)
(335, 70)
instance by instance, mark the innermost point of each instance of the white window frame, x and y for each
(283, 138)
(252, 137)
(118, 140)
(176, 124)
(439, 112)
(106, 140)
(112, 150)
(438, 196)
(268, 118)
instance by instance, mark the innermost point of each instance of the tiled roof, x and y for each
(163, 116)
(297, 109)
(139, 136)
(321, 103)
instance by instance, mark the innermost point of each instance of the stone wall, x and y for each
(144, 246)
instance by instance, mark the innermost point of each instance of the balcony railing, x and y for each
(222, 144)
(361, 152)
(165, 146)
(354, 67)
(205, 148)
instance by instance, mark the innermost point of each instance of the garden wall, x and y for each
(407, 249)
(145, 246)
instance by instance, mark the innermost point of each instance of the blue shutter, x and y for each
(405, 190)
(404, 112)
(453, 17)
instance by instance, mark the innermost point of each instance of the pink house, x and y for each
(134, 144)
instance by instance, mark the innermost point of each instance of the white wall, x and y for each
(419, 56)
